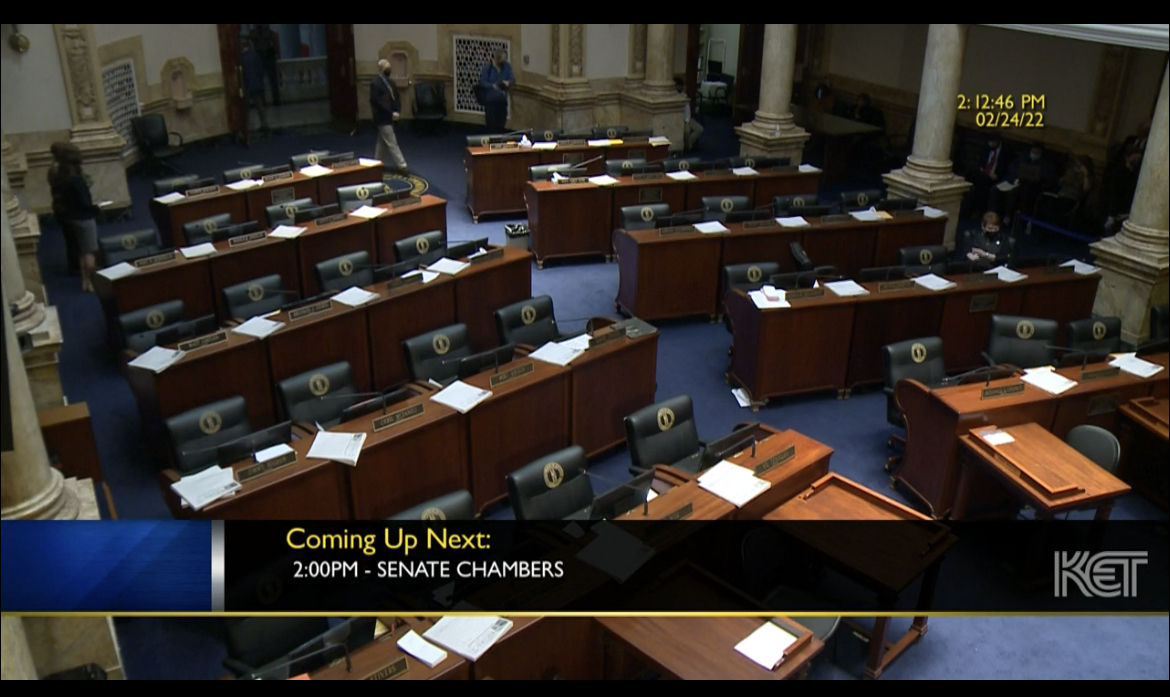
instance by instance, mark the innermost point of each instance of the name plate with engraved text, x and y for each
(408, 201)
(509, 375)
(804, 294)
(155, 259)
(396, 417)
(980, 278)
(276, 177)
(503, 146)
(607, 337)
(836, 218)
(403, 281)
(1100, 373)
(1002, 391)
(204, 341)
(893, 286)
(310, 310)
(717, 172)
(330, 219)
(250, 472)
(1103, 404)
(675, 230)
(984, 303)
(758, 224)
(203, 191)
(342, 164)
(776, 460)
(398, 667)
(648, 175)
(1058, 270)
(284, 194)
(650, 194)
(245, 239)
(572, 180)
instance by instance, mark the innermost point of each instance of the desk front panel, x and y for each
(611, 382)
(404, 314)
(328, 184)
(720, 185)
(170, 218)
(315, 342)
(646, 192)
(316, 492)
(408, 221)
(907, 231)
(482, 289)
(848, 246)
(769, 185)
(544, 648)
(966, 321)
(887, 318)
(667, 277)
(1064, 298)
(773, 244)
(252, 261)
(496, 179)
(568, 220)
(281, 191)
(182, 279)
(318, 244)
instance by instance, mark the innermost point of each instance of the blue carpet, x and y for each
(692, 360)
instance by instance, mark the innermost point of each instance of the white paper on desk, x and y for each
(659, 140)
(932, 212)
(427, 276)
(315, 170)
(200, 489)
(763, 302)
(793, 221)
(744, 171)
(157, 359)
(1006, 186)
(421, 649)
(681, 175)
(580, 343)
(544, 146)
(867, 216)
(469, 637)
(603, 180)
(369, 162)
(1081, 267)
(258, 327)
(354, 296)
(200, 250)
(766, 645)
(120, 270)
(1136, 366)
(997, 437)
(741, 397)
(808, 169)
(556, 354)
(599, 143)
(615, 552)
(244, 184)
(272, 453)
(170, 198)
(1048, 380)
(105, 204)
(447, 266)
(933, 282)
(287, 232)
(368, 212)
(732, 483)
(339, 447)
(1006, 275)
(461, 397)
(710, 227)
(846, 288)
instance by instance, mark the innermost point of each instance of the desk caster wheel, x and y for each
(540, 264)
(755, 408)
(893, 484)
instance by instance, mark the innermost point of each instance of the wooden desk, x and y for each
(645, 190)
(789, 477)
(683, 500)
(401, 314)
(1144, 436)
(663, 277)
(182, 279)
(544, 648)
(407, 218)
(380, 660)
(169, 218)
(69, 437)
(338, 334)
(526, 418)
(760, 188)
(568, 220)
(1098, 401)
(248, 261)
(285, 190)
(483, 288)
(321, 242)
(608, 383)
(884, 559)
(838, 134)
(328, 184)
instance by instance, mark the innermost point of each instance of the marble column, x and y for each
(655, 104)
(772, 131)
(26, 312)
(636, 71)
(93, 132)
(1134, 262)
(567, 90)
(26, 231)
(17, 658)
(928, 174)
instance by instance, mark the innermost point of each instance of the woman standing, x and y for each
(74, 207)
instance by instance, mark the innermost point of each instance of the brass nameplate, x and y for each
(309, 310)
(398, 667)
(509, 375)
(980, 278)
(503, 146)
(675, 230)
(1100, 374)
(489, 256)
(650, 194)
(635, 154)
(408, 201)
(1103, 404)
(776, 460)
(717, 172)
(393, 418)
(648, 175)
(804, 294)
(983, 303)
(837, 218)
(276, 177)
(1058, 270)
(154, 260)
(891, 286)
(757, 224)
(330, 219)
(681, 514)
(245, 239)
(204, 341)
(342, 164)
(284, 194)
(571, 141)
(572, 180)
(607, 337)
(1002, 391)
(203, 190)
(245, 474)
(403, 281)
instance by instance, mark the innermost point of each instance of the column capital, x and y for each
(92, 128)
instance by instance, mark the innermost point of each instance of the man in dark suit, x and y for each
(252, 65)
(1034, 174)
(267, 44)
(387, 108)
(988, 172)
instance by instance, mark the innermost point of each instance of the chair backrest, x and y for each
(793, 280)
(717, 207)
(430, 96)
(543, 173)
(256, 642)
(1094, 334)
(355, 196)
(617, 168)
(881, 273)
(418, 245)
(782, 204)
(915, 359)
(610, 131)
(128, 245)
(662, 433)
(1022, 341)
(759, 162)
(925, 255)
(258, 296)
(1159, 322)
(547, 135)
(241, 173)
(305, 159)
(853, 200)
(748, 277)
(552, 487)
(151, 131)
(433, 356)
(195, 434)
(530, 322)
(301, 395)
(199, 231)
(166, 186)
(1097, 444)
(643, 217)
(282, 213)
(140, 326)
(457, 505)
(800, 257)
(345, 271)
(680, 164)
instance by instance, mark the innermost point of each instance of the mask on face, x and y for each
(990, 230)
(1035, 157)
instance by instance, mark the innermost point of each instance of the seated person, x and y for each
(986, 244)
(1034, 172)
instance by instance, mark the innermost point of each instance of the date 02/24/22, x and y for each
(1005, 110)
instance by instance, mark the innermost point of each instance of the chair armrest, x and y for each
(177, 135)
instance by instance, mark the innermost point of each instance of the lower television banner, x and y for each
(438, 567)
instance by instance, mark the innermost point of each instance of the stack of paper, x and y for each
(198, 490)
(368, 212)
(557, 354)
(157, 359)
(732, 483)
(427, 276)
(258, 327)
(846, 288)
(339, 447)
(1130, 363)
(1048, 380)
(469, 637)
(996, 437)
(615, 552)
(170, 198)
(447, 266)
(794, 221)
(764, 302)
(117, 271)
(244, 184)
(315, 171)
(603, 180)
(766, 645)
(659, 140)
(868, 216)
(1007, 275)
(711, 227)
(369, 162)
(421, 649)
(354, 297)
(578, 342)
(932, 212)
(808, 169)
(461, 397)
(932, 282)
(1081, 267)
(681, 175)
(200, 250)
(286, 232)
(599, 143)
(741, 397)
(743, 171)
(544, 146)
(272, 453)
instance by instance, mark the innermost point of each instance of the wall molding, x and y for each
(1155, 37)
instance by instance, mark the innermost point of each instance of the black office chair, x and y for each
(664, 434)
(317, 396)
(643, 217)
(1102, 334)
(680, 164)
(231, 176)
(154, 142)
(454, 506)
(253, 643)
(717, 207)
(543, 173)
(610, 131)
(140, 327)
(618, 168)
(258, 296)
(759, 162)
(1097, 444)
(435, 355)
(485, 141)
(115, 249)
(347, 271)
(859, 200)
(298, 162)
(418, 245)
(430, 104)
(1159, 322)
(283, 213)
(162, 187)
(199, 231)
(782, 204)
(749, 277)
(916, 359)
(195, 434)
(548, 135)
(529, 322)
(553, 487)
(933, 256)
(353, 197)
(1021, 342)
(800, 257)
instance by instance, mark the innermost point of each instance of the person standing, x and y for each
(252, 65)
(495, 80)
(387, 109)
(74, 207)
(72, 252)
(267, 44)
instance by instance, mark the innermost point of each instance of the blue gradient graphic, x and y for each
(105, 566)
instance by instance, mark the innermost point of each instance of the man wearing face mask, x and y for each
(987, 244)
(989, 171)
(386, 107)
(495, 80)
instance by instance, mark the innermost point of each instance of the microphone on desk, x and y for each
(961, 377)
(588, 162)
(624, 485)
(1158, 346)
(1097, 355)
(588, 322)
(358, 396)
(306, 301)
